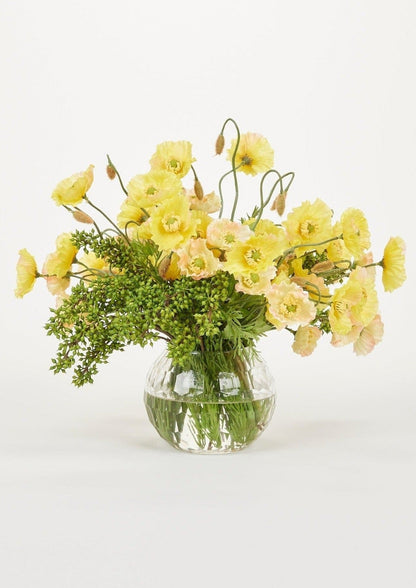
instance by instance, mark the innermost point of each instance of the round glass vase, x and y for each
(216, 403)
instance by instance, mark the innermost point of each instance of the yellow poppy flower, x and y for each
(354, 303)
(355, 231)
(343, 300)
(256, 254)
(172, 223)
(309, 223)
(254, 154)
(72, 190)
(131, 213)
(149, 189)
(59, 263)
(174, 157)
(394, 271)
(26, 273)
(366, 308)
(255, 283)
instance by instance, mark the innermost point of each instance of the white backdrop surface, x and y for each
(89, 496)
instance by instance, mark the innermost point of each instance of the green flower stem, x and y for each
(117, 174)
(233, 171)
(264, 203)
(220, 187)
(107, 218)
(195, 174)
(69, 209)
(75, 275)
(292, 249)
(379, 263)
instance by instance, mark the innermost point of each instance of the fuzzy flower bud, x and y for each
(199, 191)
(219, 145)
(111, 171)
(82, 217)
(279, 203)
(164, 266)
(322, 267)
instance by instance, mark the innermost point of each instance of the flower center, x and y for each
(229, 238)
(171, 224)
(251, 280)
(246, 160)
(174, 165)
(253, 256)
(307, 228)
(340, 307)
(198, 263)
(151, 191)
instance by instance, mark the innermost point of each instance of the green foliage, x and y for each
(134, 305)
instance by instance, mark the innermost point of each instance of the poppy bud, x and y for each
(199, 192)
(111, 171)
(164, 266)
(82, 217)
(322, 266)
(219, 145)
(279, 203)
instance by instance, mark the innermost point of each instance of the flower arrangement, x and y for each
(172, 267)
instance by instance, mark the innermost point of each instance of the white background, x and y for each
(89, 495)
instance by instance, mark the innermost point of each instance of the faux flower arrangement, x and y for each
(168, 269)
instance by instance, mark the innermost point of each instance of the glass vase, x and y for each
(216, 403)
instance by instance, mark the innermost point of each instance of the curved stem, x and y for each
(117, 174)
(106, 217)
(292, 249)
(233, 171)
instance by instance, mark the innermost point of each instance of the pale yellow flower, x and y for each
(255, 283)
(57, 286)
(26, 273)
(267, 228)
(209, 202)
(147, 190)
(256, 254)
(308, 224)
(174, 157)
(59, 263)
(196, 260)
(336, 251)
(394, 271)
(355, 232)
(369, 336)
(366, 308)
(354, 303)
(306, 339)
(289, 305)
(367, 259)
(131, 214)
(338, 340)
(340, 313)
(254, 154)
(72, 190)
(203, 221)
(363, 338)
(223, 233)
(172, 223)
